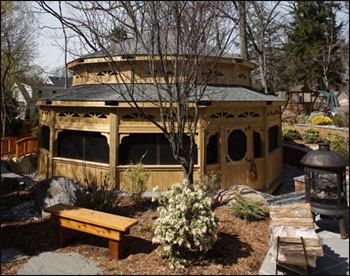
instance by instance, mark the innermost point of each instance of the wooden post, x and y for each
(223, 157)
(265, 178)
(342, 228)
(116, 248)
(201, 147)
(52, 140)
(113, 149)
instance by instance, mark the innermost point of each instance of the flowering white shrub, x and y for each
(186, 226)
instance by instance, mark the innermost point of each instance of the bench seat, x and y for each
(112, 227)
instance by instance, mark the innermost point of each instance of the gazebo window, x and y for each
(154, 147)
(257, 145)
(273, 138)
(45, 134)
(212, 151)
(83, 145)
(237, 145)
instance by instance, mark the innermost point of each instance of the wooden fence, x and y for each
(8, 145)
(18, 147)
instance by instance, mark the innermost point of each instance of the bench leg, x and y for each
(116, 248)
(62, 235)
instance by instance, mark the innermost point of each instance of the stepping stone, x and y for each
(10, 254)
(49, 263)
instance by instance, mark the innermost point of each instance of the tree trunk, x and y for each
(188, 174)
(65, 50)
(262, 72)
(242, 30)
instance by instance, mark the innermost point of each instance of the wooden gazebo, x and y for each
(90, 132)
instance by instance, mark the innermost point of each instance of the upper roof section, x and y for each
(129, 56)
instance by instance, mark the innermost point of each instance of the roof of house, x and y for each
(24, 92)
(300, 88)
(148, 92)
(57, 82)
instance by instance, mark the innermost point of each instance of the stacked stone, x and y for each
(289, 223)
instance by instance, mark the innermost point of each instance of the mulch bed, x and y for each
(240, 249)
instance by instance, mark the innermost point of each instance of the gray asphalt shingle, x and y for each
(147, 92)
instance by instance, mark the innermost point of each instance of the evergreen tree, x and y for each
(312, 47)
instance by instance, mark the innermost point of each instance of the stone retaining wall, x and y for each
(322, 129)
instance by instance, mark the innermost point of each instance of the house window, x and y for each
(154, 149)
(40, 93)
(236, 145)
(212, 151)
(257, 145)
(273, 138)
(45, 137)
(83, 145)
(54, 92)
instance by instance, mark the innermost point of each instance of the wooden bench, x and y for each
(112, 227)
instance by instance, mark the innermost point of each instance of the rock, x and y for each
(227, 195)
(25, 165)
(13, 166)
(5, 163)
(55, 190)
(22, 212)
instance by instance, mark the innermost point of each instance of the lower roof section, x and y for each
(149, 92)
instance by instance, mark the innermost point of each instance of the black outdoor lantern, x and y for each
(325, 184)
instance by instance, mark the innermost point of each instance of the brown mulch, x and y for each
(240, 249)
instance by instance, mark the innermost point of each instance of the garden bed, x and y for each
(240, 249)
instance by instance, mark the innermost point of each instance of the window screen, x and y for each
(236, 145)
(212, 149)
(96, 147)
(45, 134)
(166, 156)
(273, 138)
(257, 145)
(134, 146)
(155, 146)
(83, 145)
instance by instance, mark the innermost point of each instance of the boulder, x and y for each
(227, 195)
(23, 166)
(13, 167)
(55, 190)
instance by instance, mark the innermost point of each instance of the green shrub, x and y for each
(136, 183)
(341, 120)
(346, 119)
(311, 135)
(337, 142)
(248, 209)
(186, 226)
(210, 183)
(98, 198)
(321, 120)
(302, 118)
(290, 133)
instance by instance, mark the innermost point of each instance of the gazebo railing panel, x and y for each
(275, 159)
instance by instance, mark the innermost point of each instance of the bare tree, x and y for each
(18, 44)
(255, 18)
(182, 42)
